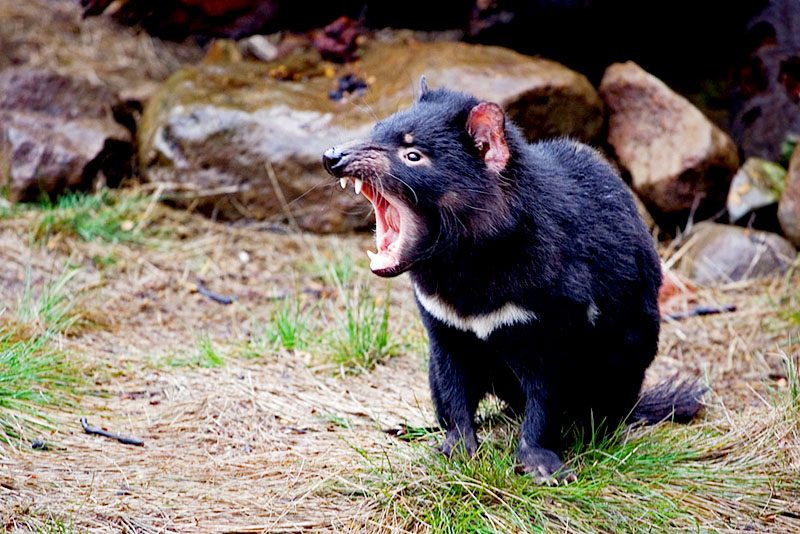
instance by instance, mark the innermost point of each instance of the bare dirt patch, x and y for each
(272, 440)
(248, 446)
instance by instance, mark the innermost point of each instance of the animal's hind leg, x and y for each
(536, 453)
(614, 383)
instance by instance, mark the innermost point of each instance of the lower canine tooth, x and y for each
(359, 183)
(371, 255)
(343, 182)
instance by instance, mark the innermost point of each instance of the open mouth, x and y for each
(392, 222)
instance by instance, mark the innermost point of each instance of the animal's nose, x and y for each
(331, 160)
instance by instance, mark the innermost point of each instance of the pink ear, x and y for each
(485, 125)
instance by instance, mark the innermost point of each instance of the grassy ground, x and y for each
(270, 413)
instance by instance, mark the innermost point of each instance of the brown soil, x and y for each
(256, 441)
(264, 444)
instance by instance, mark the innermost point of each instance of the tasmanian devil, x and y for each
(534, 274)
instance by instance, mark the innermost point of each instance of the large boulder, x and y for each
(232, 140)
(58, 131)
(718, 254)
(789, 206)
(678, 160)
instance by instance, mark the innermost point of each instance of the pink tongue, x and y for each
(389, 234)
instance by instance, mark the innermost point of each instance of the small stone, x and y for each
(754, 193)
(719, 254)
(259, 47)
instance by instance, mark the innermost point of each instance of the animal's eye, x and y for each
(412, 157)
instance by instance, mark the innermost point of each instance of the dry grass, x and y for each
(275, 440)
(251, 439)
(246, 434)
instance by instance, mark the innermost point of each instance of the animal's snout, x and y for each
(332, 161)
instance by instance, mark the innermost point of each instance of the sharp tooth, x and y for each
(371, 255)
(359, 183)
(343, 182)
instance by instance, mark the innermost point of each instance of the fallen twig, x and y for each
(701, 310)
(99, 431)
(216, 297)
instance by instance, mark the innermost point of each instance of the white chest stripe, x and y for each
(482, 324)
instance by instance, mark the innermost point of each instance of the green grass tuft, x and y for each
(34, 372)
(363, 337)
(105, 216)
(41, 522)
(205, 355)
(289, 328)
(56, 526)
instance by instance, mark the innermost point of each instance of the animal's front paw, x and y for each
(454, 440)
(544, 465)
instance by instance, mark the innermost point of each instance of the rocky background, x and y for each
(226, 106)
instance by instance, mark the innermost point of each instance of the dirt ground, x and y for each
(274, 442)
(256, 441)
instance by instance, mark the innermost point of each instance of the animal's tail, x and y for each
(671, 400)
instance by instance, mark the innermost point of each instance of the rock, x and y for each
(213, 132)
(789, 206)
(58, 132)
(259, 47)
(765, 107)
(338, 41)
(754, 194)
(674, 154)
(718, 253)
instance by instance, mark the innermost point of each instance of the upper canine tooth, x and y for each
(343, 182)
(359, 184)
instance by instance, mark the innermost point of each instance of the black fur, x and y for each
(556, 232)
